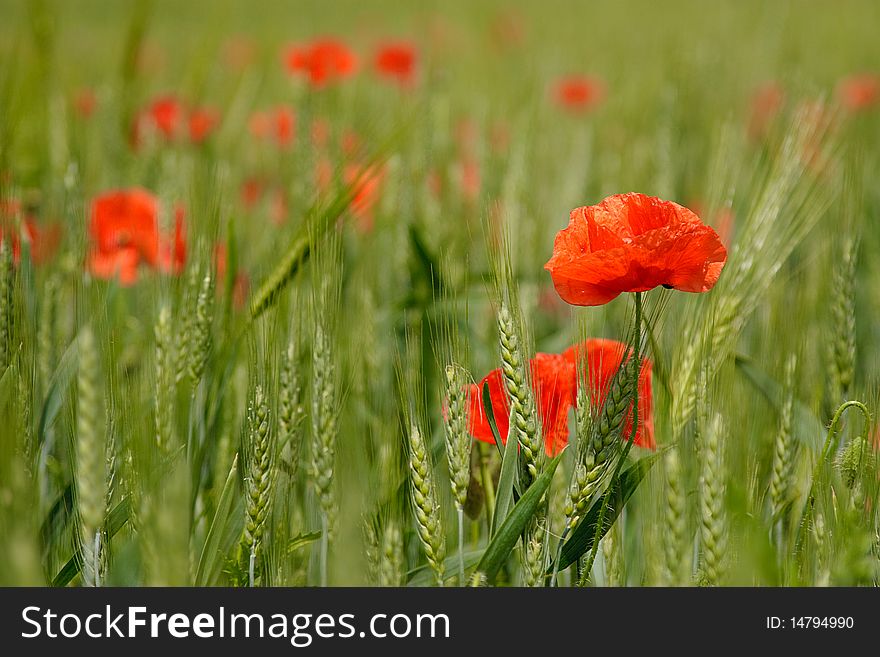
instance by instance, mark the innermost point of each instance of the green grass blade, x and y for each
(581, 540)
(807, 426)
(115, 521)
(211, 558)
(503, 542)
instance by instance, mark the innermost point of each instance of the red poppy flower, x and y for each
(43, 239)
(859, 92)
(633, 243)
(553, 382)
(397, 62)
(125, 231)
(85, 103)
(367, 188)
(163, 117)
(322, 61)
(320, 132)
(603, 360)
(578, 93)
(469, 179)
(767, 101)
(202, 122)
(277, 124)
(251, 191)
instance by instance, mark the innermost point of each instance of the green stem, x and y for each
(488, 486)
(461, 581)
(559, 554)
(636, 371)
(325, 530)
(831, 444)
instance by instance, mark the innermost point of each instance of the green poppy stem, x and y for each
(488, 485)
(831, 443)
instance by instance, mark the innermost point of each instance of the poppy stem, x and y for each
(488, 485)
(637, 366)
(831, 444)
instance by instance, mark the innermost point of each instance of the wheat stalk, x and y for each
(261, 477)
(426, 506)
(91, 450)
(713, 521)
(524, 423)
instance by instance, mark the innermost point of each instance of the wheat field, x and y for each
(274, 308)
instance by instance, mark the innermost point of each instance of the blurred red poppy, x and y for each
(202, 122)
(600, 360)
(633, 243)
(163, 117)
(397, 62)
(860, 91)
(322, 61)
(251, 191)
(578, 93)
(366, 185)
(43, 239)
(767, 101)
(277, 124)
(125, 233)
(553, 382)
(85, 102)
(320, 132)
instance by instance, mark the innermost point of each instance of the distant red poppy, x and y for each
(553, 382)
(320, 132)
(43, 239)
(603, 360)
(277, 124)
(125, 233)
(860, 91)
(163, 117)
(470, 179)
(767, 101)
(367, 188)
(202, 121)
(397, 62)
(251, 191)
(633, 243)
(322, 61)
(84, 102)
(578, 93)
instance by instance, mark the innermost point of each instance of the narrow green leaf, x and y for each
(211, 558)
(505, 493)
(807, 427)
(581, 540)
(59, 384)
(302, 540)
(505, 538)
(115, 521)
(490, 416)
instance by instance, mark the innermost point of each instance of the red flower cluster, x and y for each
(398, 62)
(125, 231)
(322, 61)
(554, 382)
(277, 125)
(633, 243)
(166, 117)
